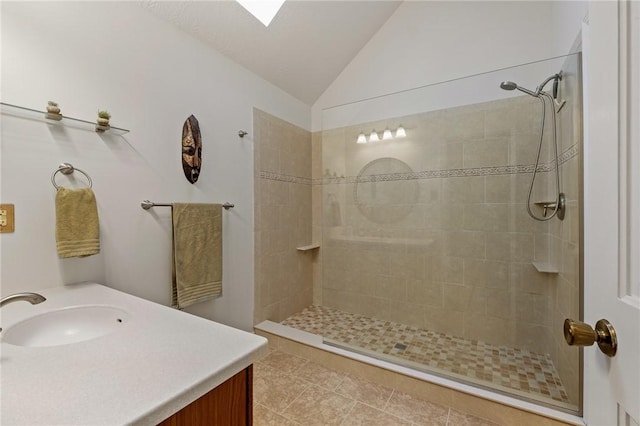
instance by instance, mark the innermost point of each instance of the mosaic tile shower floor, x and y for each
(515, 369)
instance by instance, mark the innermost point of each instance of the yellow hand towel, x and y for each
(197, 253)
(77, 228)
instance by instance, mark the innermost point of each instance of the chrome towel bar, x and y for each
(146, 204)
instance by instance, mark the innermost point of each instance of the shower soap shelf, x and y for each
(308, 248)
(545, 267)
(35, 114)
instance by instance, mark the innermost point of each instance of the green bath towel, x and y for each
(77, 227)
(197, 253)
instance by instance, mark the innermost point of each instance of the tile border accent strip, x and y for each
(285, 178)
(426, 174)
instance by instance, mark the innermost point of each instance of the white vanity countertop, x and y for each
(156, 364)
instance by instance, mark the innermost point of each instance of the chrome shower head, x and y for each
(508, 85)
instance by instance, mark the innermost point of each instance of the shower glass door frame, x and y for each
(429, 258)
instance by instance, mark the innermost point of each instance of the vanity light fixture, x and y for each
(387, 135)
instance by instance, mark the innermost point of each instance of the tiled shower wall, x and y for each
(282, 217)
(432, 230)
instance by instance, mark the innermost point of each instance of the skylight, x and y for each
(263, 10)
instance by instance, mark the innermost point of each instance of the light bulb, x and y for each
(400, 133)
(387, 135)
(361, 138)
(373, 137)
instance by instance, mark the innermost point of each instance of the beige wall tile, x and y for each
(522, 246)
(523, 148)
(498, 189)
(389, 287)
(498, 246)
(446, 269)
(500, 304)
(408, 313)
(493, 330)
(457, 297)
(274, 192)
(463, 190)
(527, 279)
(430, 191)
(463, 125)
(479, 301)
(425, 292)
(486, 273)
(444, 321)
(486, 152)
(284, 217)
(542, 248)
(465, 244)
(445, 217)
(520, 221)
(486, 217)
(509, 118)
(533, 308)
(536, 337)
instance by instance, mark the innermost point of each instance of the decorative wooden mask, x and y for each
(191, 149)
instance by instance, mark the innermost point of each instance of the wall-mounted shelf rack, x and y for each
(35, 114)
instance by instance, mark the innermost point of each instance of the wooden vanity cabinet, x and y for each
(230, 404)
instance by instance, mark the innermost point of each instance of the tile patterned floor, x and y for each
(477, 361)
(293, 391)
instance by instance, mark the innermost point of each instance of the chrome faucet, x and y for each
(33, 298)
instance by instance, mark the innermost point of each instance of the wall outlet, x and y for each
(7, 218)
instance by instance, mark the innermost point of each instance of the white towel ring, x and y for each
(67, 169)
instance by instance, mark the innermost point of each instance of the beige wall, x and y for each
(282, 185)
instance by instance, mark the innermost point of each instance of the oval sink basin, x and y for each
(65, 326)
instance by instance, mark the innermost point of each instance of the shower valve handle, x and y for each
(578, 333)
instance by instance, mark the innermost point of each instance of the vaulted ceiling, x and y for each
(303, 50)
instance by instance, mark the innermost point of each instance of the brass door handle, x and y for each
(578, 333)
